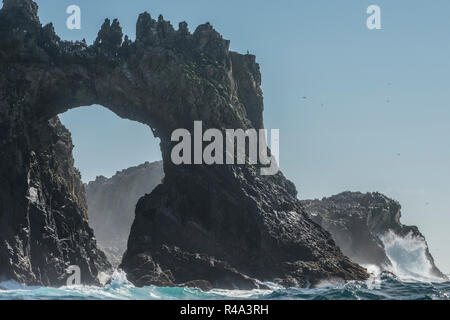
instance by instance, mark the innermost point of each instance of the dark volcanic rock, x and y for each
(240, 220)
(112, 203)
(357, 221)
(219, 223)
(43, 213)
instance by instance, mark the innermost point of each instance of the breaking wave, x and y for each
(378, 287)
(408, 256)
(410, 278)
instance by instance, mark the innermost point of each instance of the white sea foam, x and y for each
(120, 288)
(373, 270)
(408, 258)
(119, 278)
(407, 254)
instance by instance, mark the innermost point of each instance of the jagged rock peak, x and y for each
(183, 28)
(143, 26)
(205, 33)
(165, 28)
(100, 179)
(48, 32)
(110, 36)
(26, 8)
(151, 31)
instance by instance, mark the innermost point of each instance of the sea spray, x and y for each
(408, 256)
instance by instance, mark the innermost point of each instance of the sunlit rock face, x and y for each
(361, 223)
(223, 225)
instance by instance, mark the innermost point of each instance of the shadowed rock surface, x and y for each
(44, 228)
(112, 202)
(219, 224)
(357, 221)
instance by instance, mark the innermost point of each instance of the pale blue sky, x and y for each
(320, 49)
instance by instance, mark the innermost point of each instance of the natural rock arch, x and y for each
(219, 224)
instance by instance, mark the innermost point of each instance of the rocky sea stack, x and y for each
(359, 221)
(223, 225)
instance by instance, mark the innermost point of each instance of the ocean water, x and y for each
(377, 288)
(409, 278)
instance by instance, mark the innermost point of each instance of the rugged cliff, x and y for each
(358, 223)
(112, 202)
(219, 224)
(43, 213)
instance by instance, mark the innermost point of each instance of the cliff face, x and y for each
(358, 223)
(112, 203)
(43, 213)
(219, 223)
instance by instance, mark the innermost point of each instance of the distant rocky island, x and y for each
(360, 222)
(112, 203)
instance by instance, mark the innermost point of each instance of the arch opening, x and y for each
(119, 161)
